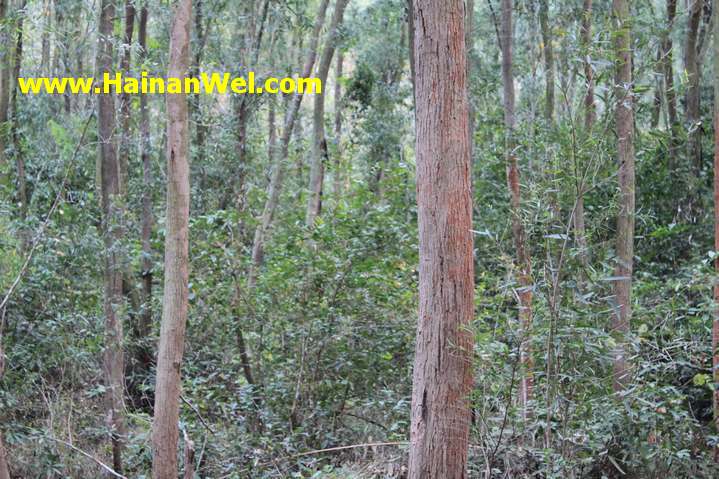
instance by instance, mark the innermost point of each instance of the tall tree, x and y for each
(23, 197)
(693, 93)
(669, 91)
(624, 124)
(125, 99)
(5, 69)
(112, 231)
(338, 124)
(442, 377)
(715, 325)
(523, 262)
(278, 172)
(145, 320)
(175, 299)
(548, 59)
(319, 143)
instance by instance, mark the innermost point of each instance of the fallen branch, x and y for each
(89, 456)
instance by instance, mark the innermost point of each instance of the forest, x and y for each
(488, 248)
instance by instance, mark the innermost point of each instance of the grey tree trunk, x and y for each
(175, 299)
(338, 126)
(548, 60)
(319, 144)
(442, 378)
(624, 119)
(693, 93)
(113, 232)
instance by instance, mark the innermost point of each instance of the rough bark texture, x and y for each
(278, 172)
(548, 60)
(442, 377)
(319, 144)
(691, 65)
(175, 298)
(624, 124)
(113, 231)
(523, 262)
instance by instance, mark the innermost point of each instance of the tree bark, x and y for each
(692, 98)
(338, 125)
(670, 93)
(145, 323)
(5, 69)
(175, 299)
(548, 60)
(715, 324)
(589, 116)
(624, 119)
(442, 377)
(523, 262)
(278, 173)
(319, 144)
(23, 196)
(113, 232)
(125, 100)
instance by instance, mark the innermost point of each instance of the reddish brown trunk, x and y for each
(175, 299)
(624, 119)
(442, 377)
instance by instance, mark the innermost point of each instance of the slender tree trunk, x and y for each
(691, 65)
(5, 83)
(624, 119)
(4, 469)
(145, 324)
(670, 93)
(113, 231)
(22, 194)
(548, 60)
(175, 298)
(319, 145)
(338, 125)
(411, 34)
(715, 325)
(45, 36)
(442, 377)
(278, 173)
(589, 116)
(523, 263)
(125, 99)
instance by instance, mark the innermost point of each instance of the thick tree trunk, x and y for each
(523, 263)
(278, 173)
(113, 231)
(548, 60)
(319, 144)
(145, 324)
(442, 377)
(624, 119)
(175, 298)
(691, 65)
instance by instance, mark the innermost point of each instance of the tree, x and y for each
(692, 65)
(523, 261)
(5, 68)
(624, 123)
(125, 99)
(715, 325)
(175, 298)
(548, 59)
(112, 232)
(319, 144)
(442, 377)
(669, 91)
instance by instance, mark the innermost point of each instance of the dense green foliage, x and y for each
(330, 323)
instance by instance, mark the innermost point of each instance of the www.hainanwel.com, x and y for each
(214, 83)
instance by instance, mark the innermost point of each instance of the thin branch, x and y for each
(202, 420)
(89, 456)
